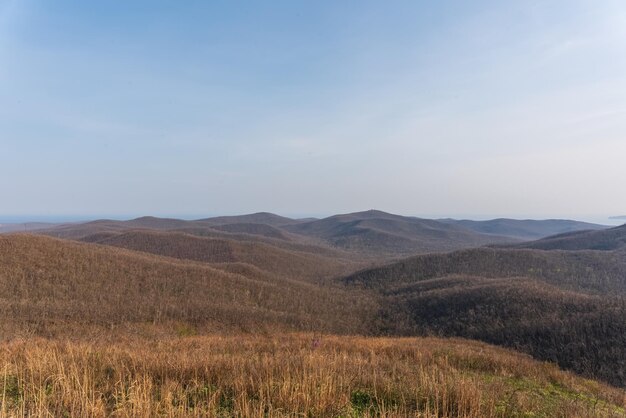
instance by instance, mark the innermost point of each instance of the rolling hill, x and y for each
(376, 232)
(526, 230)
(52, 286)
(587, 271)
(108, 226)
(254, 229)
(604, 240)
(292, 263)
(265, 218)
(566, 307)
(371, 234)
(229, 274)
(94, 230)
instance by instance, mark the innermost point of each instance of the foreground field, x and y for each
(288, 375)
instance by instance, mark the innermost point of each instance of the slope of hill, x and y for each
(263, 218)
(567, 307)
(259, 245)
(108, 226)
(527, 229)
(589, 271)
(79, 230)
(210, 228)
(376, 232)
(151, 222)
(290, 375)
(253, 218)
(604, 240)
(372, 234)
(51, 285)
(287, 263)
(254, 229)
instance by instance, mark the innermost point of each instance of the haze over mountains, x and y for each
(139, 141)
(373, 232)
(371, 273)
(527, 229)
(24, 227)
(604, 240)
(377, 232)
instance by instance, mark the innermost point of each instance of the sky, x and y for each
(449, 108)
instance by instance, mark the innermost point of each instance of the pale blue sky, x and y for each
(447, 108)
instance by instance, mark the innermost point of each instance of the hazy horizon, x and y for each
(516, 109)
(19, 219)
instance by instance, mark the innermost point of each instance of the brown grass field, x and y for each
(300, 375)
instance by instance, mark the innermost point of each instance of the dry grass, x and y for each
(288, 375)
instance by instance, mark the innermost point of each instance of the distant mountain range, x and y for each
(265, 218)
(24, 227)
(372, 233)
(377, 232)
(606, 240)
(524, 229)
